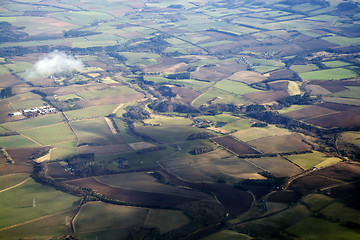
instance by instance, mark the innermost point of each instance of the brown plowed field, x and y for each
(340, 119)
(282, 74)
(343, 171)
(187, 95)
(309, 183)
(235, 201)
(22, 155)
(6, 169)
(311, 111)
(266, 97)
(55, 170)
(130, 196)
(285, 196)
(235, 146)
(106, 149)
(348, 194)
(340, 107)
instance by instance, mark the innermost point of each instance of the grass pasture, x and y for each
(276, 165)
(52, 134)
(318, 228)
(17, 203)
(62, 150)
(280, 144)
(215, 95)
(304, 68)
(227, 235)
(91, 128)
(351, 92)
(16, 141)
(174, 219)
(91, 112)
(268, 227)
(329, 74)
(234, 87)
(98, 216)
(168, 134)
(314, 159)
(47, 228)
(254, 133)
(12, 179)
(40, 121)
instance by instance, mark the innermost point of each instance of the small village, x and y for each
(36, 111)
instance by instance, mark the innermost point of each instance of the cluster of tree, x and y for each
(259, 124)
(183, 75)
(169, 106)
(152, 149)
(6, 92)
(9, 33)
(84, 165)
(306, 99)
(66, 105)
(271, 180)
(200, 135)
(166, 91)
(136, 113)
(10, 133)
(156, 44)
(77, 33)
(201, 150)
(40, 153)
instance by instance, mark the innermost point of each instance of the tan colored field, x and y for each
(142, 181)
(111, 100)
(247, 77)
(276, 165)
(106, 149)
(281, 144)
(257, 133)
(52, 21)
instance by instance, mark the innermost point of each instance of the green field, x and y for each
(91, 128)
(98, 216)
(114, 91)
(91, 112)
(329, 74)
(267, 227)
(276, 165)
(62, 150)
(168, 134)
(49, 135)
(40, 121)
(12, 179)
(317, 228)
(308, 160)
(16, 141)
(352, 92)
(216, 95)
(336, 64)
(304, 68)
(235, 87)
(227, 235)
(25, 101)
(17, 203)
(47, 228)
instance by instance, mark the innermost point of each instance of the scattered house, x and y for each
(36, 111)
(202, 123)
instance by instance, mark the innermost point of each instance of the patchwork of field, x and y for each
(281, 144)
(235, 146)
(215, 61)
(131, 196)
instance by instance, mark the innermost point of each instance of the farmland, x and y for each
(179, 120)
